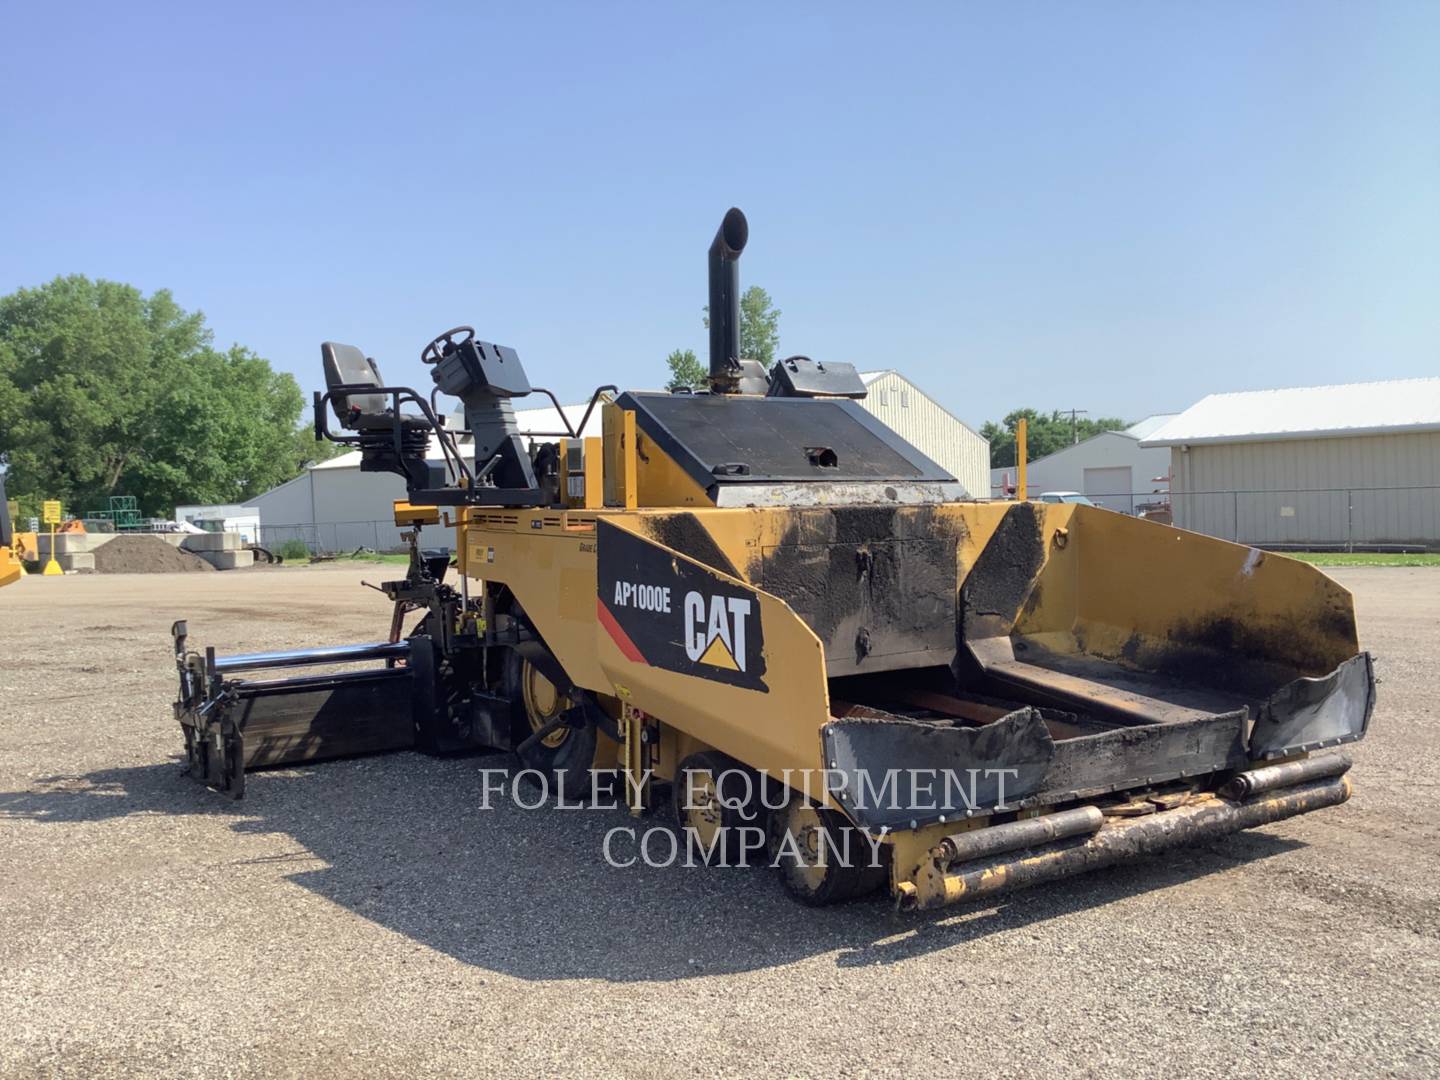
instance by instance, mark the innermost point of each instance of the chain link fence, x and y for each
(335, 537)
(1345, 519)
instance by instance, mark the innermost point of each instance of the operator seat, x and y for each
(345, 365)
(387, 443)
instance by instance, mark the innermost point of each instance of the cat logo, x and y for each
(715, 631)
(669, 611)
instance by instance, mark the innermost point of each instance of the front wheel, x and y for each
(565, 754)
(823, 859)
(718, 809)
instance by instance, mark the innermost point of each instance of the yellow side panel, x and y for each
(1127, 590)
(577, 592)
(661, 481)
(739, 534)
(775, 725)
(10, 568)
(548, 560)
(1137, 586)
(657, 480)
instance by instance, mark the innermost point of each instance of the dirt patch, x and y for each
(145, 555)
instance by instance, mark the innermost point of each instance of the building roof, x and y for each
(1307, 412)
(1143, 429)
(529, 421)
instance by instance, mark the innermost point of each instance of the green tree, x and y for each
(1045, 433)
(105, 391)
(686, 372)
(759, 325)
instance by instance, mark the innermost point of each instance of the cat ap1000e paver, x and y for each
(763, 597)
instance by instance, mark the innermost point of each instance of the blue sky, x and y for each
(1114, 207)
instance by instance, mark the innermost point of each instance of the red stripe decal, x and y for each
(617, 633)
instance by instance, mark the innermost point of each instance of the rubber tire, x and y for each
(745, 810)
(567, 766)
(835, 884)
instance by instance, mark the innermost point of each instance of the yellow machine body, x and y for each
(762, 596)
(1145, 623)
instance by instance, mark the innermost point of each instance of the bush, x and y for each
(294, 551)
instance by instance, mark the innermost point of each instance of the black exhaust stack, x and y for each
(725, 252)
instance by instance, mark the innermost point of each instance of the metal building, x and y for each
(1112, 469)
(1349, 466)
(930, 428)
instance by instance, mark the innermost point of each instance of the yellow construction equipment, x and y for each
(763, 609)
(12, 551)
(11, 568)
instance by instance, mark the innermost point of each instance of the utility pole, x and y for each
(1074, 423)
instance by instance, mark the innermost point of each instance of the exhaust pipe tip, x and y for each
(733, 234)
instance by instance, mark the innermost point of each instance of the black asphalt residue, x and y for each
(1002, 576)
(684, 533)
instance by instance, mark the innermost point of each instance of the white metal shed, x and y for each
(1351, 465)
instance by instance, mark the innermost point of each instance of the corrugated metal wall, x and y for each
(287, 504)
(335, 509)
(933, 431)
(1364, 489)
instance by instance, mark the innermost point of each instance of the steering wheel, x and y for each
(445, 344)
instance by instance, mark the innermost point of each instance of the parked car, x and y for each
(1158, 512)
(1063, 497)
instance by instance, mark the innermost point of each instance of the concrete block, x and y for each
(228, 560)
(71, 543)
(203, 542)
(80, 560)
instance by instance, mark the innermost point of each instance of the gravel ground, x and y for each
(368, 918)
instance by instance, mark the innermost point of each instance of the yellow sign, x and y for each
(50, 511)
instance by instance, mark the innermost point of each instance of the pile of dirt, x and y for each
(145, 555)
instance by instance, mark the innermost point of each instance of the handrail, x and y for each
(398, 395)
